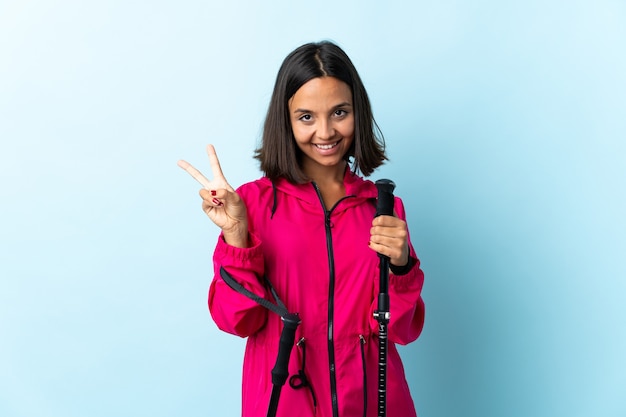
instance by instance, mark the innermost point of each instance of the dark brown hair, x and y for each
(279, 155)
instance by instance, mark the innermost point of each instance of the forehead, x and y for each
(321, 92)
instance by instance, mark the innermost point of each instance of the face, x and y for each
(322, 120)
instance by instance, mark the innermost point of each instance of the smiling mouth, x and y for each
(326, 147)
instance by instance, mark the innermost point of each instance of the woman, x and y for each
(308, 226)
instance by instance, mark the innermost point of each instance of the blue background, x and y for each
(505, 124)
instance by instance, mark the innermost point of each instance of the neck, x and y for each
(323, 175)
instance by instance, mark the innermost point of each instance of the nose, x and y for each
(325, 130)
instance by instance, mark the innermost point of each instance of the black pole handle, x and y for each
(384, 205)
(280, 372)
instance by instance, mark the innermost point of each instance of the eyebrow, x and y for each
(338, 106)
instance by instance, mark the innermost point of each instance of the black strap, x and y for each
(278, 308)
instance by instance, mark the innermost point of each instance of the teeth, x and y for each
(327, 146)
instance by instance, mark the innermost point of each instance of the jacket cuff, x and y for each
(247, 258)
(405, 269)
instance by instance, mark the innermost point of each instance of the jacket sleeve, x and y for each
(405, 298)
(234, 312)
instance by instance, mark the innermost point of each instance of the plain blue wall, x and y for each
(505, 125)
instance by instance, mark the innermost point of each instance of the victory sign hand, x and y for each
(220, 201)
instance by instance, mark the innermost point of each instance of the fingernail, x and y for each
(217, 202)
(213, 193)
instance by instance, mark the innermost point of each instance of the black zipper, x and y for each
(362, 342)
(331, 299)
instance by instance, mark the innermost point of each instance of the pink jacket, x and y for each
(321, 266)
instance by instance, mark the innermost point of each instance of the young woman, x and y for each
(308, 226)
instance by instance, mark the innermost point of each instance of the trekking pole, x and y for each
(291, 321)
(384, 206)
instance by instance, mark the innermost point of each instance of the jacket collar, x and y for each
(356, 187)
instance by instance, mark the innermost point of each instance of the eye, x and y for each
(340, 112)
(305, 118)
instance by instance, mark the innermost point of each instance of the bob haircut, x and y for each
(279, 155)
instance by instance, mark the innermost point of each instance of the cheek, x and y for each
(347, 129)
(300, 134)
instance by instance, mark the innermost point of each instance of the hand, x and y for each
(220, 201)
(389, 236)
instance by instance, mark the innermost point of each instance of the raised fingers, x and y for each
(215, 163)
(197, 175)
